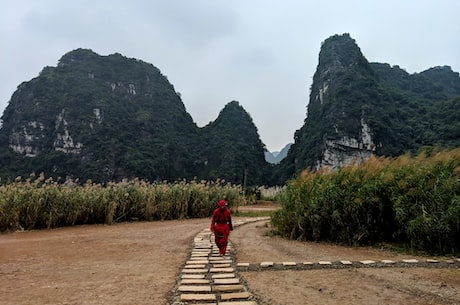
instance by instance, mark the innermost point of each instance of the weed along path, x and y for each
(175, 262)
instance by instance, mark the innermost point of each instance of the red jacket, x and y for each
(221, 215)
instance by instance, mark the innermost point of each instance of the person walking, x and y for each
(221, 225)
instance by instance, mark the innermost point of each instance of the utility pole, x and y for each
(245, 178)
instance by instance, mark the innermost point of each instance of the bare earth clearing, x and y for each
(137, 263)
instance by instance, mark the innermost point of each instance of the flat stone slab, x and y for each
(194, 288)
(201, 266)
(192, 276)
(216, 270)
(194, 281)
(242, 265)
(214, 265)
(367, 262)
(199, 254)
(289, 263)
(221, 261)
(220, 258)
(234, 296)
(202, 247)
(308, 263)
(387, 261)
(346, 263)
(266, 264)
(410, 261)
(325, 263)
(197, 258)
(224, 288)
(197, 297)
(226, 281)
(433, 261)
(195, 262)
(223, 275)
(205, 270)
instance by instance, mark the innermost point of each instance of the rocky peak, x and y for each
(98, 113)
(78, 56)
(337, 130)
(341, 69)
(339, 58)
(111, 117)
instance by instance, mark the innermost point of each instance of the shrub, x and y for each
(415, 201)
(37, 202)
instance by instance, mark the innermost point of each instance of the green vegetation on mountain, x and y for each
(404, 112)
(426, 105)
(233, 148)
(107, 118)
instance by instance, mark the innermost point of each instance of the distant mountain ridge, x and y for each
(108, 118)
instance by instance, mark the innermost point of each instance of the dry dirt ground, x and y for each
(138, 263)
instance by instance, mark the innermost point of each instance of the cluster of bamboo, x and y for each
(38, 202)
(412, 201)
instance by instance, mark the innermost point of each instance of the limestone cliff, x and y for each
(336, 131)
(358, 109)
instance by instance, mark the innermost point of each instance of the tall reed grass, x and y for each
(410, 200)
(38, 202)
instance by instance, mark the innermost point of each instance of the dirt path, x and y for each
(138, 263)
(358, 286)
(130, 263)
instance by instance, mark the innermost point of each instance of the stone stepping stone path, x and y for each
(211, 279)
(426, 263)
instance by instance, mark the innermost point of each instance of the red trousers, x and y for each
(221, 232)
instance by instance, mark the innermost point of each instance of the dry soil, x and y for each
(138, 263)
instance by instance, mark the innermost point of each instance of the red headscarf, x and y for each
(222, 203)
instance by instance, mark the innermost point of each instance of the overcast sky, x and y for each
(262, 53)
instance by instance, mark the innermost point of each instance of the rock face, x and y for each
(340, 62)
(336, 131)
(346, 151)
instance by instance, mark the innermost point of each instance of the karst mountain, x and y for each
(108, 118)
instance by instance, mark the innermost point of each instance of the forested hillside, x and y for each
(358, 109)
(107, 118)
